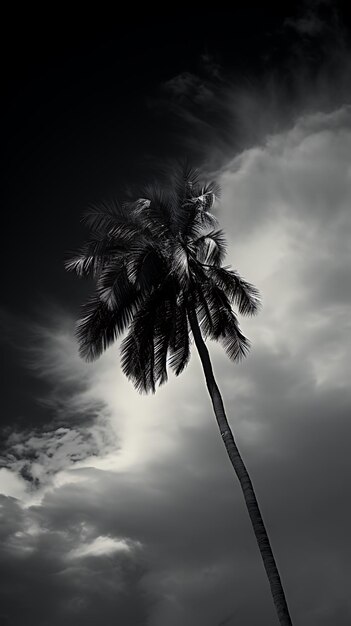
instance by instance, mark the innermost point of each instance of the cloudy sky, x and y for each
(121, 508)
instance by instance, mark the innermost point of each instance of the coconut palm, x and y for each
(158, 268)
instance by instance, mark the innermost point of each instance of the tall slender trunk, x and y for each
(243, 476)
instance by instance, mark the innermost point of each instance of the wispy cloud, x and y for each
(100, 546)
(219, 109)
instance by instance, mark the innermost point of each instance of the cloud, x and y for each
(78, 425)
(315, 18)
(310, 23)
(55, 584)
(138, 517)
(289, 202)
(11, 484)
(226, 106)
(189, 87)
(100, 546)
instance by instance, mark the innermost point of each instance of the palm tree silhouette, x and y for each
(157, 265)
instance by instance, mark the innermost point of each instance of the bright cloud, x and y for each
(100, 546)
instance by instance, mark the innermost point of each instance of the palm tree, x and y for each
(157, 265)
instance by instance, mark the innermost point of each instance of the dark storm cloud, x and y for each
(197, 558)
(189, 87)
(310, 22)
(76, 426)
(220, 109)
(54, 588)
(160, 520)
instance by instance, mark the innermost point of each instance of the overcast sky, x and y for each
(121, 508)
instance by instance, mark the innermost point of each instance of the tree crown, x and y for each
(153, 260)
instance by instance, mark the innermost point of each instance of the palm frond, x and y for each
(145, 265)
(113, 285)
(179, 348)
(180, 264)
(218, 305)
(100, 326)
(104, 216)
(225, 326)
(185, 178)
(159, 214)
(200, 222)
(144, 349)
(103, 247)
(212, 190)
(81, 263)
(137, 360)
(164, 331)
(161, 338)
(93, 255)
(185, 184)
(204, 219)
(203, 312)
(238, 290)
(203, 197)
(150, 269)
(126, 234)
(210, 248)
(234, 342)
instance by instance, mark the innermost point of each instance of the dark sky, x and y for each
(88, 116)
(123, 508)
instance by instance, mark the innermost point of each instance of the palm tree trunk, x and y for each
(243, 476)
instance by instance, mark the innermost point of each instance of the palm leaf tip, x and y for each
(236, 345)
(99, 326)
(81, 264)
(70, 263)
(137, 362)
(211, 247)
(237, 290)
(248, 298)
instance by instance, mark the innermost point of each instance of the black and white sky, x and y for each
(123, 509)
